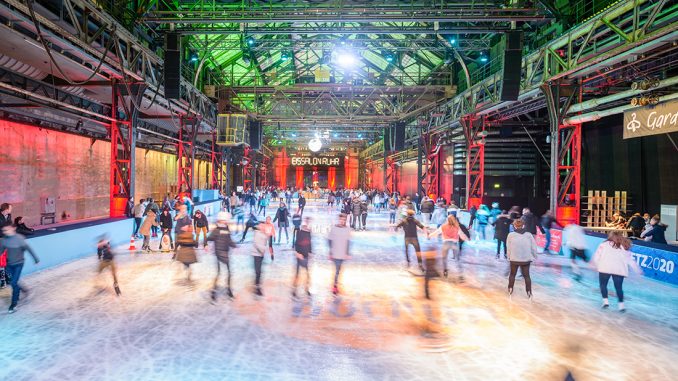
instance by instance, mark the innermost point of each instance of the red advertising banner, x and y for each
(556, 240)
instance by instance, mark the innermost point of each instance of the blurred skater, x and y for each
(339, 241)
(200, 226)
(107, 260)
(575, 240)
(221, 236)
(303, 250)
(14, 245)
(185, 245)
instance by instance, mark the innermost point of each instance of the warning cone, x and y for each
(131, 244)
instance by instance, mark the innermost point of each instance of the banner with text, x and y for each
(653, 120)
(329, 161)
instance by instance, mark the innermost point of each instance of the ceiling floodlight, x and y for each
(250, 41)
(346, 59)
(315, 145)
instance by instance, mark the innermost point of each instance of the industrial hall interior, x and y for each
(338, 190)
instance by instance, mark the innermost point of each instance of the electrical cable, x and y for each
(97, 69)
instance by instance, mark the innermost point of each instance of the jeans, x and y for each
(417, 249)
(480, 228)
(456, 254)
(294, 235)
(525, 270)
(355, 221)
(618, 280)
(337, 270)
(137, 225)
(391, 217)
(228, 269)
(14, 272)
(499, 245)
(364, 219)
(302, 264)
(258, 261)
(547, 233)
(280, 230)
(261, 208)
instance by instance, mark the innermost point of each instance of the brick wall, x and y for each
(37, 163)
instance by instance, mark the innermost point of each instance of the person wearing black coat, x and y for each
(636, 224)
(296, 222)
(282, 216)
(303, 253)
(221, 236)
(363, 214)
(166, 224)
(657, 231)
(251, 223)
(200, 225)
(302, 203)
(502, 227)
(355, 213)
(530, 222)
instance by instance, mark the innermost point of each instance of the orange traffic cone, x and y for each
(131, 244)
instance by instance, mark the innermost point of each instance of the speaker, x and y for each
(388, 142)
(399, 136)
(172, 66)
(505, 131)
(255, 132)
(513, 60)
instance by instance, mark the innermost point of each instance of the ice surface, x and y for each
(163, 328)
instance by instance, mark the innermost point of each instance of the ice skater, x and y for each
(303, 250)
(221, 236)
(339, 240)
(522, 250)
(410, 225)
(451, 233)
(15, 245)
(145, 230)
(575, 240)
(107, 260)
(612, 259)
(185, 247)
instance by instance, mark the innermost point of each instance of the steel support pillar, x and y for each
(429, 180)
(188, 128)
(217, 160)
(391, 175)
(247, 169)
(474, 132)
(565, 174)
(123, 144)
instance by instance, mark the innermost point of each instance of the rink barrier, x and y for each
(657, 261)
(66, 246)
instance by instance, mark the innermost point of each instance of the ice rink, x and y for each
(73, 327)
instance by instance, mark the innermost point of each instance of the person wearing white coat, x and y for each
(612, 259)
(521, 251)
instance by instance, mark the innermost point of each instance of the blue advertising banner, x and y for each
(657, 264)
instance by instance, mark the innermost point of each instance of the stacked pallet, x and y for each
(599, 207)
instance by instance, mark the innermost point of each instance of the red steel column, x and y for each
(121, 151)
(568, 174)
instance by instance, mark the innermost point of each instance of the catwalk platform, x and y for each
(73, 327)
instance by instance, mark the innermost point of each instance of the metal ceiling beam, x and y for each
(343, 30)
(283, 12)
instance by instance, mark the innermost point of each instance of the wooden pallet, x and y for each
(600, 207)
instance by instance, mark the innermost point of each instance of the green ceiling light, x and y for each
(453, 41)
(390, 58)
(483, 57)
(250, 41)
(193, 57)
(284, 56)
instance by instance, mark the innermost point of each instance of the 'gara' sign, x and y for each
(659, 119)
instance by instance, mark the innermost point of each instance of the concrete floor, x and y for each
(163, 328)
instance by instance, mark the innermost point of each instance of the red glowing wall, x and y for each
(36, 162)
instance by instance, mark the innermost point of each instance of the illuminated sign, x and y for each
(315, 160)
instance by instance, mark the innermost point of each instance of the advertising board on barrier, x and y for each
(657, 264)
(652, 120)
(556, 240)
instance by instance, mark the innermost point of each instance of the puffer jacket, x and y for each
(223, 243)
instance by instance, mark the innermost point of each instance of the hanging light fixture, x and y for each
(315, 145)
